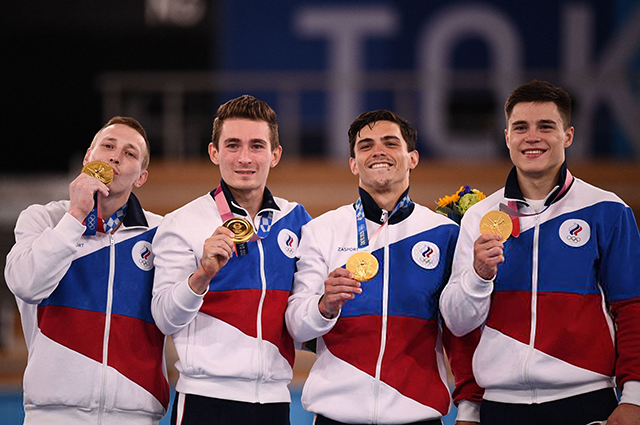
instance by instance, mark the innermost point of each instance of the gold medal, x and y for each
(363, 265)
(241, 228)
(497, 222)
(100, 170)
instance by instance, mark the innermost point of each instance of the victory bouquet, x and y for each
(454, 206)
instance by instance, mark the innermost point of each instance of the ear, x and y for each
(275, 156)
(568, 137)
(142, 179)
(506, 137)
(213, 154)
(353, 166)
(85, 161)
(414, 158)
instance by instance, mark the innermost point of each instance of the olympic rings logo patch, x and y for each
(574, 232)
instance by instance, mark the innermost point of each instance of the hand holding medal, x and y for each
(498, 223)
(242, 233)
(241, 228)
(495, 228)
(339, 287)
(103, 172)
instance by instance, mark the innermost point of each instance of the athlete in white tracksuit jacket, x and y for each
(95, 354)
(380, 343)
(223, 303)
(558, 300)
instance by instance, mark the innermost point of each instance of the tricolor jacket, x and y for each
(85, 304)
(381, 360)
(232, 342)
(562, 315)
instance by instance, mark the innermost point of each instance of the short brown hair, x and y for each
(250, 108)
(134, 124)
(540, 91)
(409, 133)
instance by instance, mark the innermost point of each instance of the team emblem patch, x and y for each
(426, 254)
(575, 232)
(288, 242)
(142, 255)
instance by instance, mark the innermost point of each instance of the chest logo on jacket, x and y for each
(426, 254)
(574, 232)
(142, 255)
(288, 242)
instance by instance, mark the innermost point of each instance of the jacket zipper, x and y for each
(383, 336)
(259, 321)
(107, 327)
(534, 310)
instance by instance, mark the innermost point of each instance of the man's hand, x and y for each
(487, 254)
(625, 414)
(339, 288)
(216, 252)
(81, 192)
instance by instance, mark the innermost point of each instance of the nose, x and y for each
(115, 157)
(244, 156)
(532, 135)
(379, 150)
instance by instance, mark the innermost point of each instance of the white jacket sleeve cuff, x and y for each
(631, 393)
(186, 299)
(477, 287)
(69, 227)
(468, 411)
(318, 321)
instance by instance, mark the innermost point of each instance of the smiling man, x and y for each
(221, 290)
(557, 300)
(84, 294)
(367, 288)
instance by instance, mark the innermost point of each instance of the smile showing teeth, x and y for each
(533, 152)
(380, 166)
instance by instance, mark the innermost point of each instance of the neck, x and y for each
(249, 200)
(537, 187)
(111, 204)
(386, 200)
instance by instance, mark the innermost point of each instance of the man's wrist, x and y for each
(324, 311)
(199, 281)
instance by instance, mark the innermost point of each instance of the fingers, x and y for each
(217, 250)
(339, 288)
(487, 255)
(219, 243)
(81, 195)
(341, 272)
(220, 230)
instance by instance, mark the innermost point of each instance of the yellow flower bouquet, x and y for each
(454, 206)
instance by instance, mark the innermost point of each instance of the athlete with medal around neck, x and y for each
(366, 289)
(547, 267)
(225, 269)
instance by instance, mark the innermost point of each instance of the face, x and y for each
(123, 148)
(244, 154)
(536, 139)
(381, 158)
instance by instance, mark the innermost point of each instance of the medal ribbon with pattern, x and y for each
(240, 247)
(512, 208)
(363, 264)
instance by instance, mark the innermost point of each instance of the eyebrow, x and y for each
(236, 140)
(547, 122)
(369, 139)
(520, 122)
